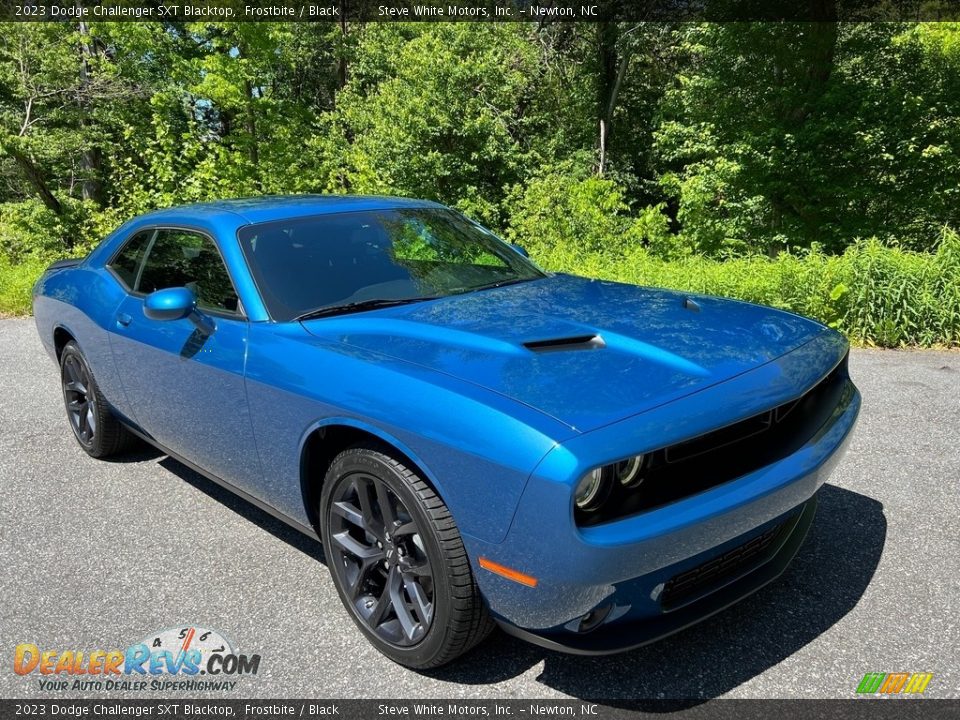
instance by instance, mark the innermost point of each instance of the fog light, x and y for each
(594, 618)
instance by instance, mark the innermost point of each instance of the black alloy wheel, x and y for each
(94, 426)
(398, 561)
(81, 402)
(381, 557)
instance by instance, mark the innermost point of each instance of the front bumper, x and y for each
(623, 636)
(612, 587)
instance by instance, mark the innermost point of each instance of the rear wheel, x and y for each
(99, 433)
(398, 561)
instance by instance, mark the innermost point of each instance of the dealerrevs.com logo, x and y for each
(172, 659)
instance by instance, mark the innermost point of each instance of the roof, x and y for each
(279, 207)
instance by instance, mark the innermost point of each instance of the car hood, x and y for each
(586, 352)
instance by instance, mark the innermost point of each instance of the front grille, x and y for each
(720, 438)
(721, 570)
(693, 466)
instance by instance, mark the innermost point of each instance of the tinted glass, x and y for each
(329, 260)
(127, 261)
(179, 258)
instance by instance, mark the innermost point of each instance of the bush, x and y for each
(578, 215)
(28, 230)
(31, 237)
(16, 282)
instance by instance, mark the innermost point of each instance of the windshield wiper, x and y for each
(499, 283)
(358, 306)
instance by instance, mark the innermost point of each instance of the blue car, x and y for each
(476, 442)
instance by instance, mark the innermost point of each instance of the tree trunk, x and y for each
(92, 157)
(33, 175)
(606, 74)
(606, 123)
(254, 152)
(818, 57)
(342, 64)
(252, 125)
(612, 69)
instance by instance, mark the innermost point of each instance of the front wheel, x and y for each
(398, 561)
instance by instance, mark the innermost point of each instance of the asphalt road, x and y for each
(101, 554)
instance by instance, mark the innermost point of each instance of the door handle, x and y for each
(123, 319)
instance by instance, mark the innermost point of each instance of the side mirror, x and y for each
(170, 304)
(176, 304)
(520, 249)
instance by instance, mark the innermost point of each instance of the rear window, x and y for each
(127, 262)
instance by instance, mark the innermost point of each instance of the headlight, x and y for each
(595, 487)
(628, 471)
(592, 489)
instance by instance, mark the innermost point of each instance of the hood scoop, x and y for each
(575, 342)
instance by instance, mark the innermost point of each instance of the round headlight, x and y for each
(591, 490)
(628, 471)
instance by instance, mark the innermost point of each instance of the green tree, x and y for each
(433, 110)
(780, 135)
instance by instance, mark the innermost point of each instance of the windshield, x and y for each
(355, 259)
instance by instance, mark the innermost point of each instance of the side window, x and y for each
(180, 258)
(128, 260)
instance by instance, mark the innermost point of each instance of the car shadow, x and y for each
(139, 451)
(279, 529)
(825, 581)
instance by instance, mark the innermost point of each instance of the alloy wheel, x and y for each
(80, 401)
(379, 557)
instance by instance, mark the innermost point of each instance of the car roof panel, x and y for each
(245, 211)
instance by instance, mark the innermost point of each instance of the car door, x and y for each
(183, 387)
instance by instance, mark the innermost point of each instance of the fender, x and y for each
(372, 430)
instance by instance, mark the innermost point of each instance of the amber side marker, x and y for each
(508, 573)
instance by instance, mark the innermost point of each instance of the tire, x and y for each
(404, 577)
(97, 431)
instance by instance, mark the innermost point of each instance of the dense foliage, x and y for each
(753, 160)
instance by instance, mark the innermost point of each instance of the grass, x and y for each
(16, 283)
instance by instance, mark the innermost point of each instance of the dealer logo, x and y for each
(898, 683)
(188, 651)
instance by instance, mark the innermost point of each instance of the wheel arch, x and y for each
(61, 336)
(326, 439)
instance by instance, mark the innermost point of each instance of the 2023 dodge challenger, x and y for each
(588, 464)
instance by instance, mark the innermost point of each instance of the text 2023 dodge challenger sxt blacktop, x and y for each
(591, 465)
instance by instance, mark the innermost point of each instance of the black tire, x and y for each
(97, 431)
(413, 593)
